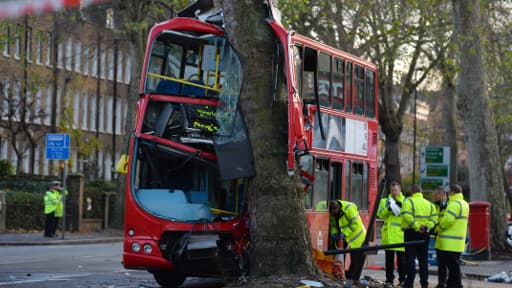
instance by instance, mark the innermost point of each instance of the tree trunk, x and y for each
(451, 131)
(281, 241)
(391, 156)
(391, 126)
(485, 172)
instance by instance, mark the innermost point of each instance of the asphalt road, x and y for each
(99, 265)
(64, 266)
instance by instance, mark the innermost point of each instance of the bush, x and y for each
(6, 168)
(25, 210)
(27, 184)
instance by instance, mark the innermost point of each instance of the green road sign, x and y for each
(429, 184)
(438, 171)
(434, 155)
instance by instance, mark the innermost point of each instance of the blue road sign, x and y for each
(57, 146)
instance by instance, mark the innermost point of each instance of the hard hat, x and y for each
(55, 183)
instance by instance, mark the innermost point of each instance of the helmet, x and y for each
(54, 184)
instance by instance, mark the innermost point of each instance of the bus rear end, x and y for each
(189, 159)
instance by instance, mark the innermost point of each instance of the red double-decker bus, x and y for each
(190, 159)
(333, 126)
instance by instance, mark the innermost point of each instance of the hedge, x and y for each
(25, 210)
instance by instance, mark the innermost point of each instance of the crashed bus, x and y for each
(190, 160)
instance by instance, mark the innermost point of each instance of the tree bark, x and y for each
(281, 241)
(485, 172)
(391, 125)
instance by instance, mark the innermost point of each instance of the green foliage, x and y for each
(6, 168)
(25, 205)
(25, 210)
(26, 184)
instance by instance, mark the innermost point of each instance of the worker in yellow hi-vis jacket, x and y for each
(345, 223)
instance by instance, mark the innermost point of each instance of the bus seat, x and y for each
(172, 204)
(150, 197)
(197, 196)
(194, 90)
(168, 87)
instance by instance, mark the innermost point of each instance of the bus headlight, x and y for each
(131, 232)
(135, 247)
(148, 249)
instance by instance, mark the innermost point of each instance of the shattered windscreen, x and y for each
(182, 186)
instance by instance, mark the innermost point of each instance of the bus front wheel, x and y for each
(168, 278)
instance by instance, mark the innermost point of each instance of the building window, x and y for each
(60, 56)
(38, 110)
(16, 96)
(125, 111)
(25, 161)
(48, 106)
(28, 49)
(37, 161)
(13, 158)
(5, 42)
(58, 104)
(49, 49)
(110, 111)
(119, 65)
(108, 166)
(92, 114)
(118, 117)
(84, 105)
(39, 47)
(128, 70)
(110, 64)
(78, 56)
(69, 53)
(17, 40)
(94, 63)
(27, 109)
(100, 163)
(102, 64)
(85, 67)
(101, 113)
(3, 149)
(76, 109)
(5, 99)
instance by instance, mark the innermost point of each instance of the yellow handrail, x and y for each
(183, 81)
(220, 211)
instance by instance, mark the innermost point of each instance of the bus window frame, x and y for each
(333, 195)
(349, 83)
(359, 90)
(342, 82)
(322, 200)
(329, 80)
(370, 87)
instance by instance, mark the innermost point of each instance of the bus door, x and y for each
(316, 198)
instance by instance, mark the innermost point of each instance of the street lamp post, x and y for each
(414, 139)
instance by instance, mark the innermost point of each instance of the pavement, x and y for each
(37, 238)
(474, 270)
